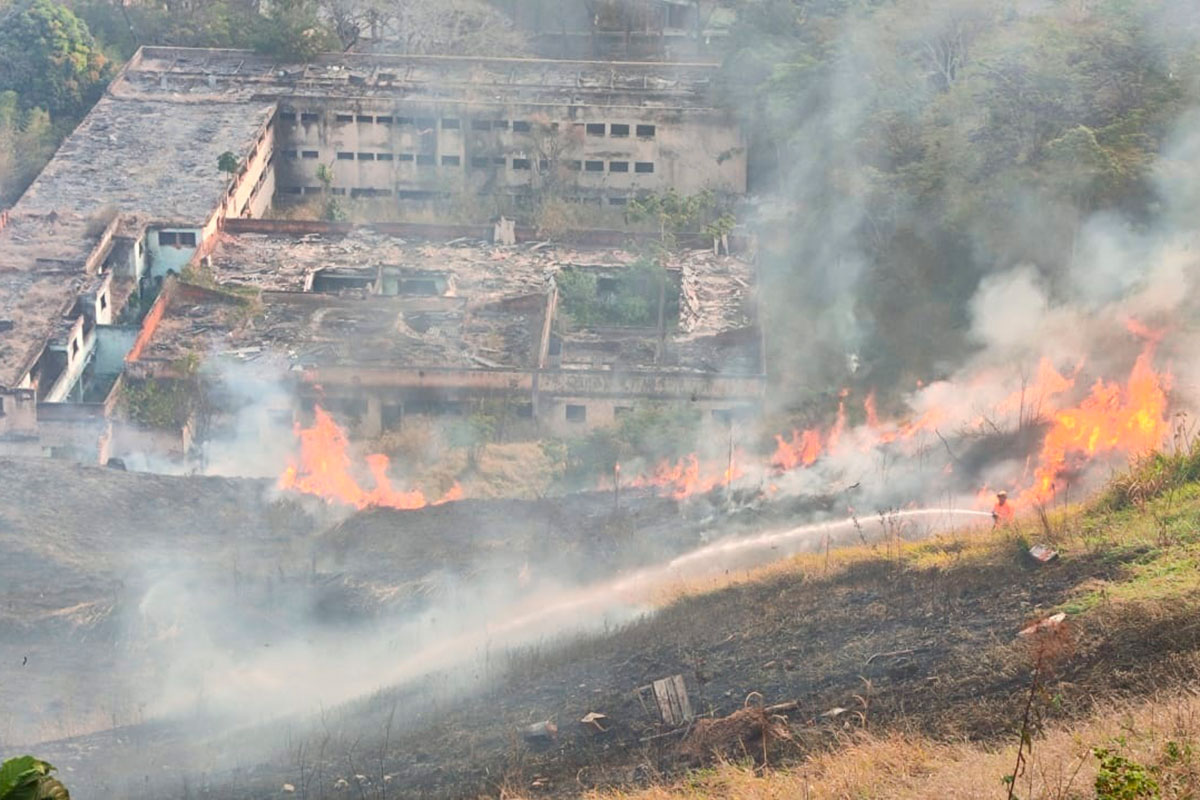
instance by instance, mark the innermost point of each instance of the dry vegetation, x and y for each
(1114, 716)
(1160, 734)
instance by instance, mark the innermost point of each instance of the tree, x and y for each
(674, 213)
(229, 163)
(26, 141)
(48, 56)
(331, 208)
(27, 778)
(293, 30)
(453, 27)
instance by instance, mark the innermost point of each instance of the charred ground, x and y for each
(907, 637)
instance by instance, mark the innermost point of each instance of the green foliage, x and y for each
(48, 56)
(332, 210)
(27, 778)
(648, 433)
(166, 403)
(920, 145)
(229, 162)
(214, 23)
(1154, 474)
(325, 176)
(634, 303)
(672, 213)
(1121, 779)
(293, 30)
(27, 139)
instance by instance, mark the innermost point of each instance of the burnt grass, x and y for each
(924, 650)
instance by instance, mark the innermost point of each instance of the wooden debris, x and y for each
(892, 654)
(595, 720)
(1045, 625)
(1042, 554)
(747, 730)
(543, 732)
(671, 699)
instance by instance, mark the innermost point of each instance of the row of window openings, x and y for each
(480, 162)
(616, 130)
(578, 413)
(176, 238)
(341, 191)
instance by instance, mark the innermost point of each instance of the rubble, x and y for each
(748, 730)
(595, 720)
(1044, 626)
(378, 300)
(1042, 554)
(540, 733)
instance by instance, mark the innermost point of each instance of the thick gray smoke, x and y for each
(883, 285)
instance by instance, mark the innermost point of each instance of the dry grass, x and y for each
(1154, 547)
(507, 469)
(1160, 734)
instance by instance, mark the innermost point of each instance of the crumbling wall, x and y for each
(415, 151)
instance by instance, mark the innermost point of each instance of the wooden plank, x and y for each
(671, 696)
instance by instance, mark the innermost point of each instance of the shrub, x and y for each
(1121, 779)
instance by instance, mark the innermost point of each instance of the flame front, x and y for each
(689, 476)
(324, 469)
(1129, 420)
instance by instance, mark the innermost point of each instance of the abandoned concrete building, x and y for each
(134, 196)
(377, 327)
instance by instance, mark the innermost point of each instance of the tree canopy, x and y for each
(911, 147)
(48, 56)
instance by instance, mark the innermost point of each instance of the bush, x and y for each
(27, 778)
(1155, 473)
(1121, 779)
(650, 433)
(633, 304)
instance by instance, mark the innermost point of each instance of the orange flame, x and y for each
(1112, 419)
(803, 449)
(324, 470)
(869, 407)
(689, 476)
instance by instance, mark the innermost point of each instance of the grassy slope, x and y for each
(1124, 684)
(919, 637)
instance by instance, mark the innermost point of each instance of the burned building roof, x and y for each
(157, 157)
(241, 76)
(372, 299)
(44, 261)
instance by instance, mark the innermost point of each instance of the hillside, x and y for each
(915, 642)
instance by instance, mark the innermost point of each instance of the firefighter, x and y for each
(1002, 512)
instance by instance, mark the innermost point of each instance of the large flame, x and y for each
(1129, 420)
(803, 450)
(324, 469)
(1125, 420)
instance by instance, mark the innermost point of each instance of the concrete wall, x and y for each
(83, 438)
(600, 412)
(251, 191)
(79, 345)
(415, 151)
(113, 343)
(171, 256)
(601, 394)
(18, 412)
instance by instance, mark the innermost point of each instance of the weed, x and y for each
(1048, 647)
(1119, 778)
